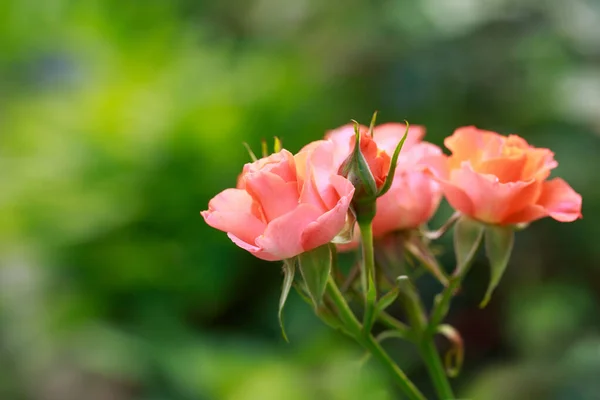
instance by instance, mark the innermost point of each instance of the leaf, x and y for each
(394, 162)
(499, 242)
(289, 270)
(370, 310)
(467, 237)
(388, 299)
(315, 266)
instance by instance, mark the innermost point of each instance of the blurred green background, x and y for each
(119, 120)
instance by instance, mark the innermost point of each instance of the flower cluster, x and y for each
(287, 204)
(360, 184)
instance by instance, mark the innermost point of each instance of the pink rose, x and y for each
(284, 205)
(503, 180)
(414, 196)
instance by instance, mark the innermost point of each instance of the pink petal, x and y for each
(387, 136)
(329, 224)
(560, 200)
(412, 201)
(234, 211)
(254, 250)
(492, 200)
(275, 195)
(283, 236)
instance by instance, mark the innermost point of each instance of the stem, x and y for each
(366, 232)
(436, 368)
(367, 341)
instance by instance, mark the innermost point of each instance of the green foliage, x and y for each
(119, 121)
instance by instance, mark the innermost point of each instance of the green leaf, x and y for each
(370, 314)
(394, 162)
(315, 266)
(499, 242)
(388, 299)
(289, 270)
(467, 237)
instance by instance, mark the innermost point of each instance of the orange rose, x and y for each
(502, 180)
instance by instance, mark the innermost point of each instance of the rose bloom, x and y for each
(284, 205)
(414, 196)
(502, 180)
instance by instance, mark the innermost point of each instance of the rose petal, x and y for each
(560, 200)
(276, 196)
(506, 169)
(254, 250)
(387, 136)
(492, 200)
(233, 210)
(329, 224)
(411, 201)
(282, 237)
(472, 144)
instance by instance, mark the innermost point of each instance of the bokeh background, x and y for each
(119, 120)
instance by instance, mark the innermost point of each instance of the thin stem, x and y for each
(436, 368)
(366, 232)
(353, 325)
(433, 235)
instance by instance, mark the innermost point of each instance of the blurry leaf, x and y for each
(388, 299)
(498, 247)
(289, 268)
(467, 236)
(315, 266)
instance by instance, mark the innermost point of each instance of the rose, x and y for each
(414, 196)
(283, 205)
(502, 180)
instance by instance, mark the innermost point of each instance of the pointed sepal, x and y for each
(277, 146)
(356, 169)
(499, 242)
(289, 269)
(467, 237)
(315, 267)
(393, 163)
(250, 152)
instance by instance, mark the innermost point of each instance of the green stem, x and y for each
(353, 325)
(366, 232)
(436, 368)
